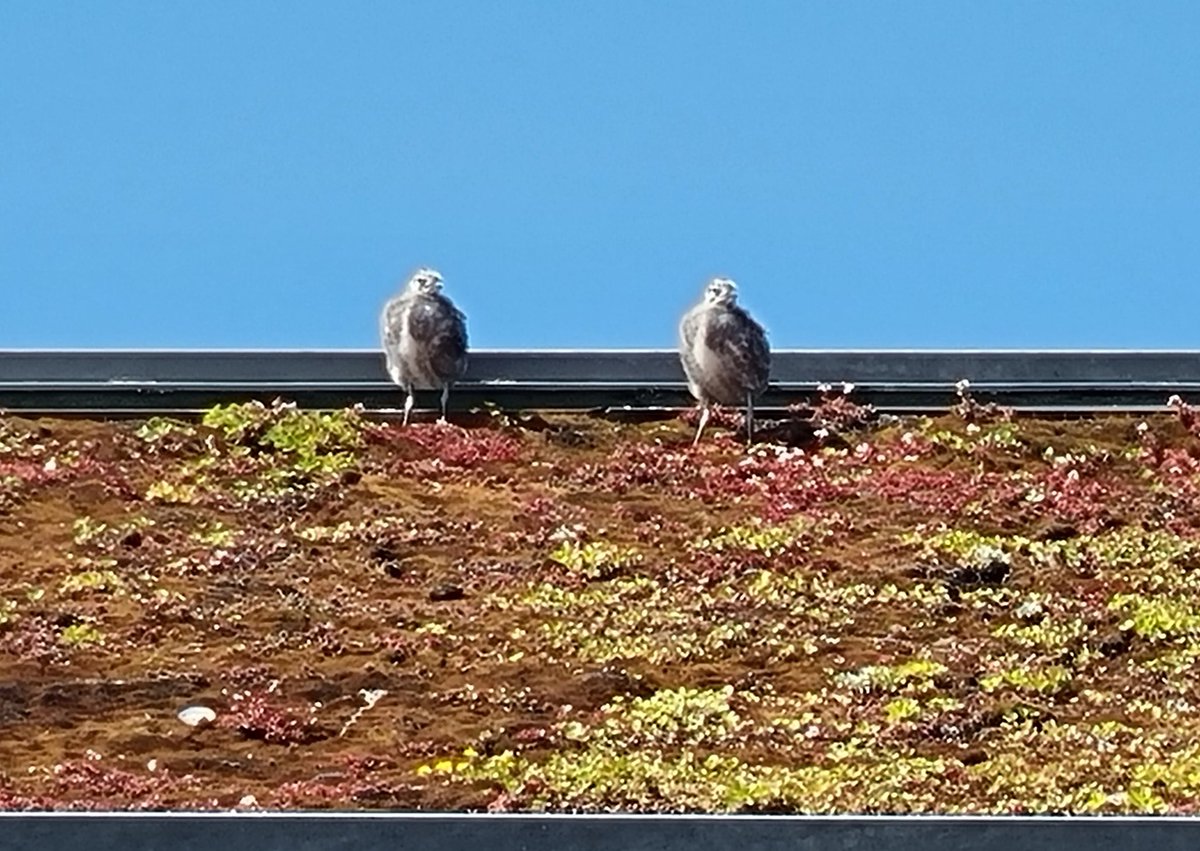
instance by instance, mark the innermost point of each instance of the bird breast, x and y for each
(713, 377)
(423, 350)
(718, 364)
(413, 359)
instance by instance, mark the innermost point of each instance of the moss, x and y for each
(307, 442)
(913, 674)
(628, 759)
(102, 581)
(573, 613)
(81, 635)
(757, 536)
(595, 560)
(1157, 618)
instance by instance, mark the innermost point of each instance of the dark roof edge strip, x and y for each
(651, 367)
(438, 831)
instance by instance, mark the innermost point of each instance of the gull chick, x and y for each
(724, 352)
(424, 338)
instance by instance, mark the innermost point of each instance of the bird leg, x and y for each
(408, 405)
(703, 422)
(445, 398)
(749, 420)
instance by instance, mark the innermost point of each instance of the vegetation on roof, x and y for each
(970, 613)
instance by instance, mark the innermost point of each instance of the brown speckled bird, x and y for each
(724, 352)
(424, 338)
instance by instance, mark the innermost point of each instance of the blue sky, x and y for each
(871, 173)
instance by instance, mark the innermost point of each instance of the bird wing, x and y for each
(689, 327)
(440, 329)
(742, 343)
(390, 327)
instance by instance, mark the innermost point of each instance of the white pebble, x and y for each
(194, 716)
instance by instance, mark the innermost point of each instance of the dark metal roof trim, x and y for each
(436, 832)
(901, 380)
(611, 366)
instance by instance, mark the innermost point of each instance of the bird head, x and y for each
(425, 282)
(720, 291)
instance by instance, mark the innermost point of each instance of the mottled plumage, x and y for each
(424, 338)
(724, 352)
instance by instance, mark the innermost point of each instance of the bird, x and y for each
(424, 338)
(724, 352)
